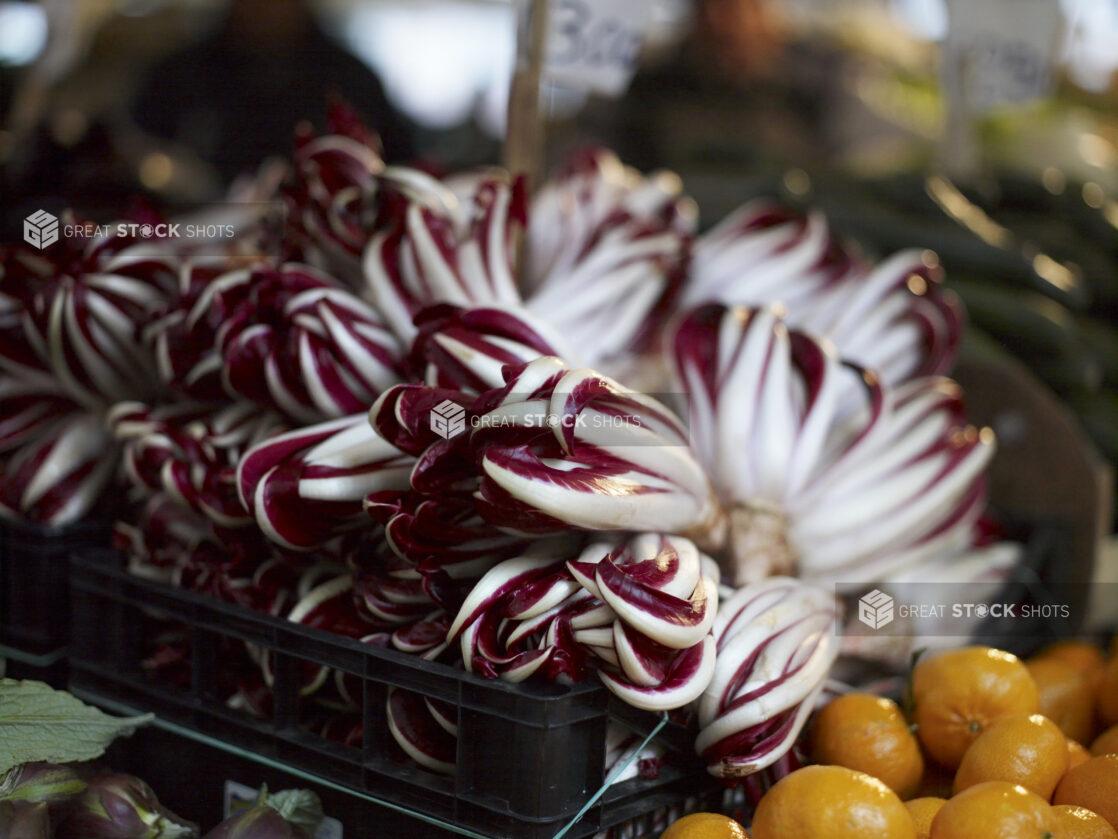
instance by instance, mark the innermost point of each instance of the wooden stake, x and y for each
(960, 154)
(524, 126)
(524, 131)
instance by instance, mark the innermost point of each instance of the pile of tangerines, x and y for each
(986, 746)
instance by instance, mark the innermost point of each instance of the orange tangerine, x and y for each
(1108, 693)
(1083, 655)
(827, 802)
(1094, 785)
(870, 734)
(1025, 749)
(705, 826)
(1066, 696)
(1077, 754)
(923, 810)
(1081, 823)
(1106, 743)
(994, 810)
(958, 693)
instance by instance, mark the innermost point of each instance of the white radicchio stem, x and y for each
(191, 452)
(776, 643)
(894, 317)
(824, 470)
(468, 349)
(307, 348)
(84, 309)
(434, 253)
(58, 476)
(607, 251)
(639, 612)
(308, 486)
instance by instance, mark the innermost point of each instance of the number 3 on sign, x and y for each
(594, 44)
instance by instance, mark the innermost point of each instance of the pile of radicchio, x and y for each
(410, 425)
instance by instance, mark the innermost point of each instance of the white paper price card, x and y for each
(594, 44)
(240, 797)
(1000, 51)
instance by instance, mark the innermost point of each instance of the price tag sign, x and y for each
(1000, 51)
(594, 44)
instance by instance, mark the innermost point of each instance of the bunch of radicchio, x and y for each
(71, 344)
(640, 613)
(398, 399)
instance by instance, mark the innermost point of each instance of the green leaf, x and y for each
(301, 807)
(908, 700)
(39, 723)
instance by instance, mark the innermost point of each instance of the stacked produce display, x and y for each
(981, 744)
(553, 437)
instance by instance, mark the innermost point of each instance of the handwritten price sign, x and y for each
(1001, 50)
(1000, 70)
(594, 44)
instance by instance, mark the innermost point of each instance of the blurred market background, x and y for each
(851, 106)
(846, 84)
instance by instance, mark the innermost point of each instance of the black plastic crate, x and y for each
(528, 757)
(201, 795)
(51, 667)
(157, 754)
(34, 584)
